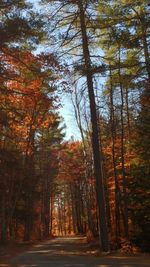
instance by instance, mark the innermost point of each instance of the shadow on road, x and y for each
(71, 252)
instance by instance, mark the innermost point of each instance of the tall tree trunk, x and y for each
(29, 173)
(95, 139)
(117, 189)
(74, 219)
(51, 214)
(128, 114)
(123, 152)
(3, 218)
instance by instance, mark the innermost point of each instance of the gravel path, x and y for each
(72, 252)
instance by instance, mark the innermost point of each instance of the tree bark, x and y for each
(117, 189)
(95, 137)
(123, 153)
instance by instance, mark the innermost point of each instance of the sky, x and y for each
(66, 111)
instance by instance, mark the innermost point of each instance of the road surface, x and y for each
(72, 252)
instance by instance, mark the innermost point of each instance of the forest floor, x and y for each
(67, 252)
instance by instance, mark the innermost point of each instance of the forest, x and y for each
(94, 54)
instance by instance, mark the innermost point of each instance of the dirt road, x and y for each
(73, 252)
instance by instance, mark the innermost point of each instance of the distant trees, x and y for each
(75, 199)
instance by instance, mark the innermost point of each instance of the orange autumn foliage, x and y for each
(24, 95)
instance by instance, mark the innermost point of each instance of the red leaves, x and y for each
(24, 92)
(71, 162)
